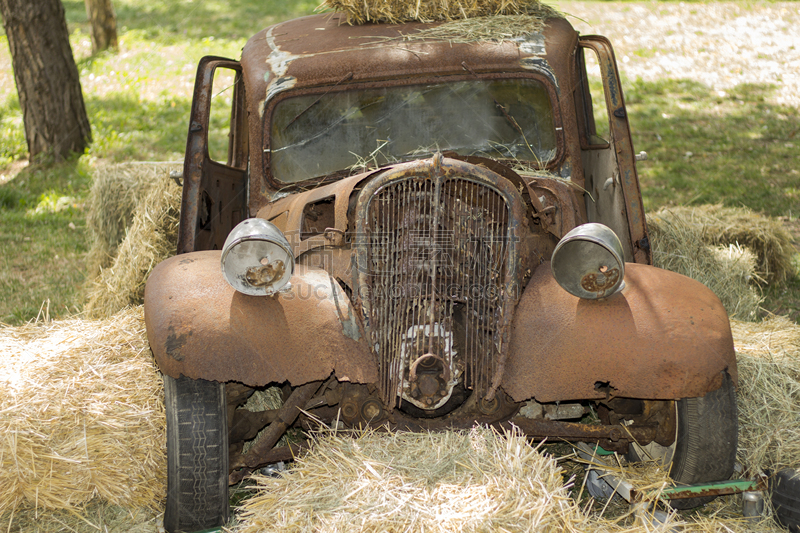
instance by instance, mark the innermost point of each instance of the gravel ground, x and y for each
(720, 44)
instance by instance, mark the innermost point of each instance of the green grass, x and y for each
(744, 150)
(138, 103)
(704, 147)
(734, 148)
(42, 242)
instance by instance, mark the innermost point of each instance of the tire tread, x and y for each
(786, 499)
(197, 455)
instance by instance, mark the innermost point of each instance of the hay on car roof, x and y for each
(399, 11)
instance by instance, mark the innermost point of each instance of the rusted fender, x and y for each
(664, 336)
(200, 327)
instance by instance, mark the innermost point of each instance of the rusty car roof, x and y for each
(323, 50)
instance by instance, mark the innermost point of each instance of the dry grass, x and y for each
(718, 225)
(116, 191)
(681, 246)
(81, 415)
(768, 354)
(454, 481)
(149, 239)
(398, 11)
(98, 375)
(98, 516)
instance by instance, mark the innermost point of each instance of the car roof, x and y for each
(323, 49)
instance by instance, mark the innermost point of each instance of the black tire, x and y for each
(705, 446)
(785, 488)
(197, 455)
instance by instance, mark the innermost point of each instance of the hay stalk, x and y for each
(81, 415)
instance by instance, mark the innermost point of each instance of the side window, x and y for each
(227, 113)
(592, 101)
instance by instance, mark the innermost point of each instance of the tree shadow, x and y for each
(704, 146)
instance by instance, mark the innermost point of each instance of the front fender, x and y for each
(198, 326)
(664, 336)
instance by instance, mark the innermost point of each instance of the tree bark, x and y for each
(104, 24)
(46, 76)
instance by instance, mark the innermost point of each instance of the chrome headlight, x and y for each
(588, 262)
(257, 258)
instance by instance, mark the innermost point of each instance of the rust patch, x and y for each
(174, 343)
(255, 340)
(600, 283)
(265, 275)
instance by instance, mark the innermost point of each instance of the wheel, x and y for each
(197, 455)
(785, 488)
(705, 444)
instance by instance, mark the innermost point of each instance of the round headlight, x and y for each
(588, 262)
(256, 258)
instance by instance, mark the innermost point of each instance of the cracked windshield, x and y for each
(315, 135)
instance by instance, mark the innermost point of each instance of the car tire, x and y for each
(785, 492)
(197, 455)
(705, 445)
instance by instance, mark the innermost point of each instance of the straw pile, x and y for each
(116, 191)
(97, 516)
(718, 225)
(729, 271)
(149, 237)
(768, 354)
(454, 481)
(399, 11)
(81, 415)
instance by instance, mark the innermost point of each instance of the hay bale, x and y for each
(718, 225)
(81, 415)
(768, 355)
(150, 238)
(97, 516)
(729, 271)
(452, 481)
(398, 11)
(116, 190)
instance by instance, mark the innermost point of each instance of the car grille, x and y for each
(436, 254)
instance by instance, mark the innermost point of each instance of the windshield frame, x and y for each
(266, 125)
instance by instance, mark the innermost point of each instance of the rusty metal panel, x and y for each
(200, 327)
(664, 336)
(379, 53)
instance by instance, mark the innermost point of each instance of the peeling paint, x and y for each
(278, 61)
(541, 66)
(532, 44)
(279, 85)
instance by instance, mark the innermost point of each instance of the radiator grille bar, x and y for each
(435, 255)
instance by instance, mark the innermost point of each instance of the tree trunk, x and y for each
(104, 24)
(47, 79)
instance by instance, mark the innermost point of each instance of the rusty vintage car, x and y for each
(420, 234)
